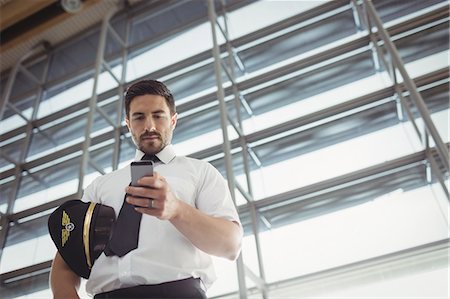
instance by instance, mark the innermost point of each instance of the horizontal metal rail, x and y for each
(253, 137)
(409, 83)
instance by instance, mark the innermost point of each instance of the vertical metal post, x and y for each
(8, 88)
(12, 77)
(18, 173)
(93, 101)
(410, 85)
(396, 63)
(118, 125)
(244, 146)
(226, 141)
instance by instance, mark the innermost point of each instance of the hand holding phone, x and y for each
(140, 169)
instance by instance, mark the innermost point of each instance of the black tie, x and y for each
(125, 233)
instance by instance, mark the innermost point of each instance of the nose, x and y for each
(149, 124)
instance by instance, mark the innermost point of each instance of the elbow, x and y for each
(232, 252)
(234, 249)
(233, 255)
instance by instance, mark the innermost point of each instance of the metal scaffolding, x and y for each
(239, 98)
(381, 42)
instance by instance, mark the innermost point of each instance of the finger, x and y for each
(148, 181)
(149, 211)
(140, 191)
(141, 202)
(160, 182)
(156, 181)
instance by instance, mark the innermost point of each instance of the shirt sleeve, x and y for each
(214, 197)
(89, 193)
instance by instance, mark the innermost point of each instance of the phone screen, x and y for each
(140, 169)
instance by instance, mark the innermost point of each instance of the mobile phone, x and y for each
(140, 169)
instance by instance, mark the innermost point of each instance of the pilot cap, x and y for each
(80, 232)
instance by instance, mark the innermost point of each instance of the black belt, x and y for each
(180, 289)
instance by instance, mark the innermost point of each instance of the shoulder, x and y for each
(104, 182)
(194, 165)
(109, 178)
(207, 176)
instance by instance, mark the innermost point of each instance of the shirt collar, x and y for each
(166, 155)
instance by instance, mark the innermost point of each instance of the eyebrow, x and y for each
(160, 111)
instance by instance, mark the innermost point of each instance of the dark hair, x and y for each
(152, 87)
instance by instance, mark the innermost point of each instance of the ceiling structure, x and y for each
(26, 24)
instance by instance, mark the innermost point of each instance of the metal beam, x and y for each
(93, 100)
(311, 194)
(430, 256)
(120, 107)
(262, 134)
(437, 13)
(260, 280)
(226, 141)
(314, 191)
(18, 170)
(440, 12)
(409, 83)
(12, 76)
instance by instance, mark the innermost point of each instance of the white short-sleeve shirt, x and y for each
(163, 253)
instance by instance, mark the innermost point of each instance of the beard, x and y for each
(150, 146)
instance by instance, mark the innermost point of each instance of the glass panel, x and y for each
(73, 55)
(388, 224)
(226, 271)
(11, 120)
(427, 64)
(344, 157)
(247, 19)
(4, 164)
(426, 43)
(6, 189)
(168, 53)
(303, 106)
(198, 81)
(106, 81)
(127, 150)
(24, 106)
(37, 69)
(22, 237)
(298, 39)
(209, 139)
(429, 283)
(22, 85)
(53, 138)
(58, 135)
(53, 182)
(226, 282)
(13, 147)
(441, 122)
(398, 220)
(393, 10)
(61, 98)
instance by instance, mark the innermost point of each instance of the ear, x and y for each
(173, 120)
(127, 122)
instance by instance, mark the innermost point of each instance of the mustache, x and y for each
(150, 134)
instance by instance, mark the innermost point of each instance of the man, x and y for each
(187, 214)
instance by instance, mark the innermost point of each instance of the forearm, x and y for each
(216, 236)
(64, 282)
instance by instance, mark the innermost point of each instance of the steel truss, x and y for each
(225, 59)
